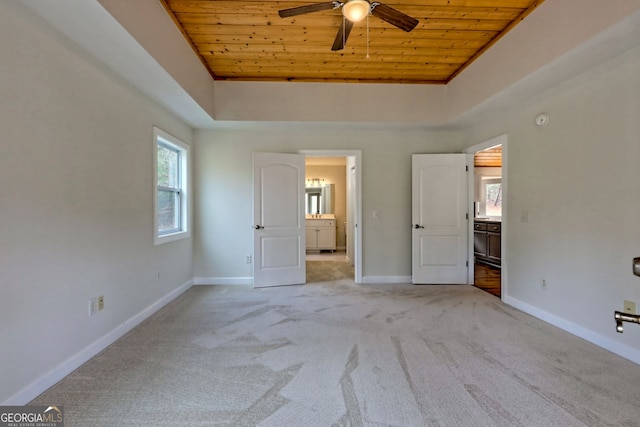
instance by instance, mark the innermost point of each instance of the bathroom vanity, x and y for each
(487, 241)
(321, 233)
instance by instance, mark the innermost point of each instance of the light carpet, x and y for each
(342, 354)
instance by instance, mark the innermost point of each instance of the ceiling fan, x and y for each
(355, 11)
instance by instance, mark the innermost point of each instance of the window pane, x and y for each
(315, 208)
(494, 199)
(168, 160)
(168, 211)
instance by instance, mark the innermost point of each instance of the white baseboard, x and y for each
(43, 383)
(242, 281)
(386, 279)
(577, 330)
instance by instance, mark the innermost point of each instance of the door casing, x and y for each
(498, 140)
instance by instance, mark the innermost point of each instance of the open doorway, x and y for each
(332, 200)
(488, 195)
(326, 219)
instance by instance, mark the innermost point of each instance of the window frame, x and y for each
(162, 138)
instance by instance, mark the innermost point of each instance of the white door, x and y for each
(279, 219)
(439, 215)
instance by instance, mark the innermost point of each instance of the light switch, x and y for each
(629, 307)
(636, 266)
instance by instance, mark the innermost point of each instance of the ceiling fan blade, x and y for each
(394, 17)
(301, 10)
(343, 35)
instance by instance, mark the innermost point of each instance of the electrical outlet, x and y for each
(100, 302)
(93, 306)
(247, 259)
(629, 307)
(543, 284)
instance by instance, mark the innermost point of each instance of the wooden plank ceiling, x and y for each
(247, 40)
(491, 157)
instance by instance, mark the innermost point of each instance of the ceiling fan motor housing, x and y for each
(355, 11)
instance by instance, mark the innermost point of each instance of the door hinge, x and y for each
(466, 216)
(467, 263)
(466, 168)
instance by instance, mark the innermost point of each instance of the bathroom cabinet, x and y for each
(321, 234)
(487, 242)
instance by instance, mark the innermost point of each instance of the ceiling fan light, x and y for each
(356, 10)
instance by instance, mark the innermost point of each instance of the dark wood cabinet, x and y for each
(487, 243)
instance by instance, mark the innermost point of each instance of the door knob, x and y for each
(418, 226)
(258, 227)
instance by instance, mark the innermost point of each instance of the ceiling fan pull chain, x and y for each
(367, 35)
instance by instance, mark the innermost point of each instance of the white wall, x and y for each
(151, 26)
(75, 207)
(578, 180)
(324, 102)
(556, 41)
(224, 193)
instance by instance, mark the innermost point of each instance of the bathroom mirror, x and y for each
(319, 200)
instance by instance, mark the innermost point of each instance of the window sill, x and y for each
(166, 238)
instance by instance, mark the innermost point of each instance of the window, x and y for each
(171, 162)
(312, 202)
(492, 196)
